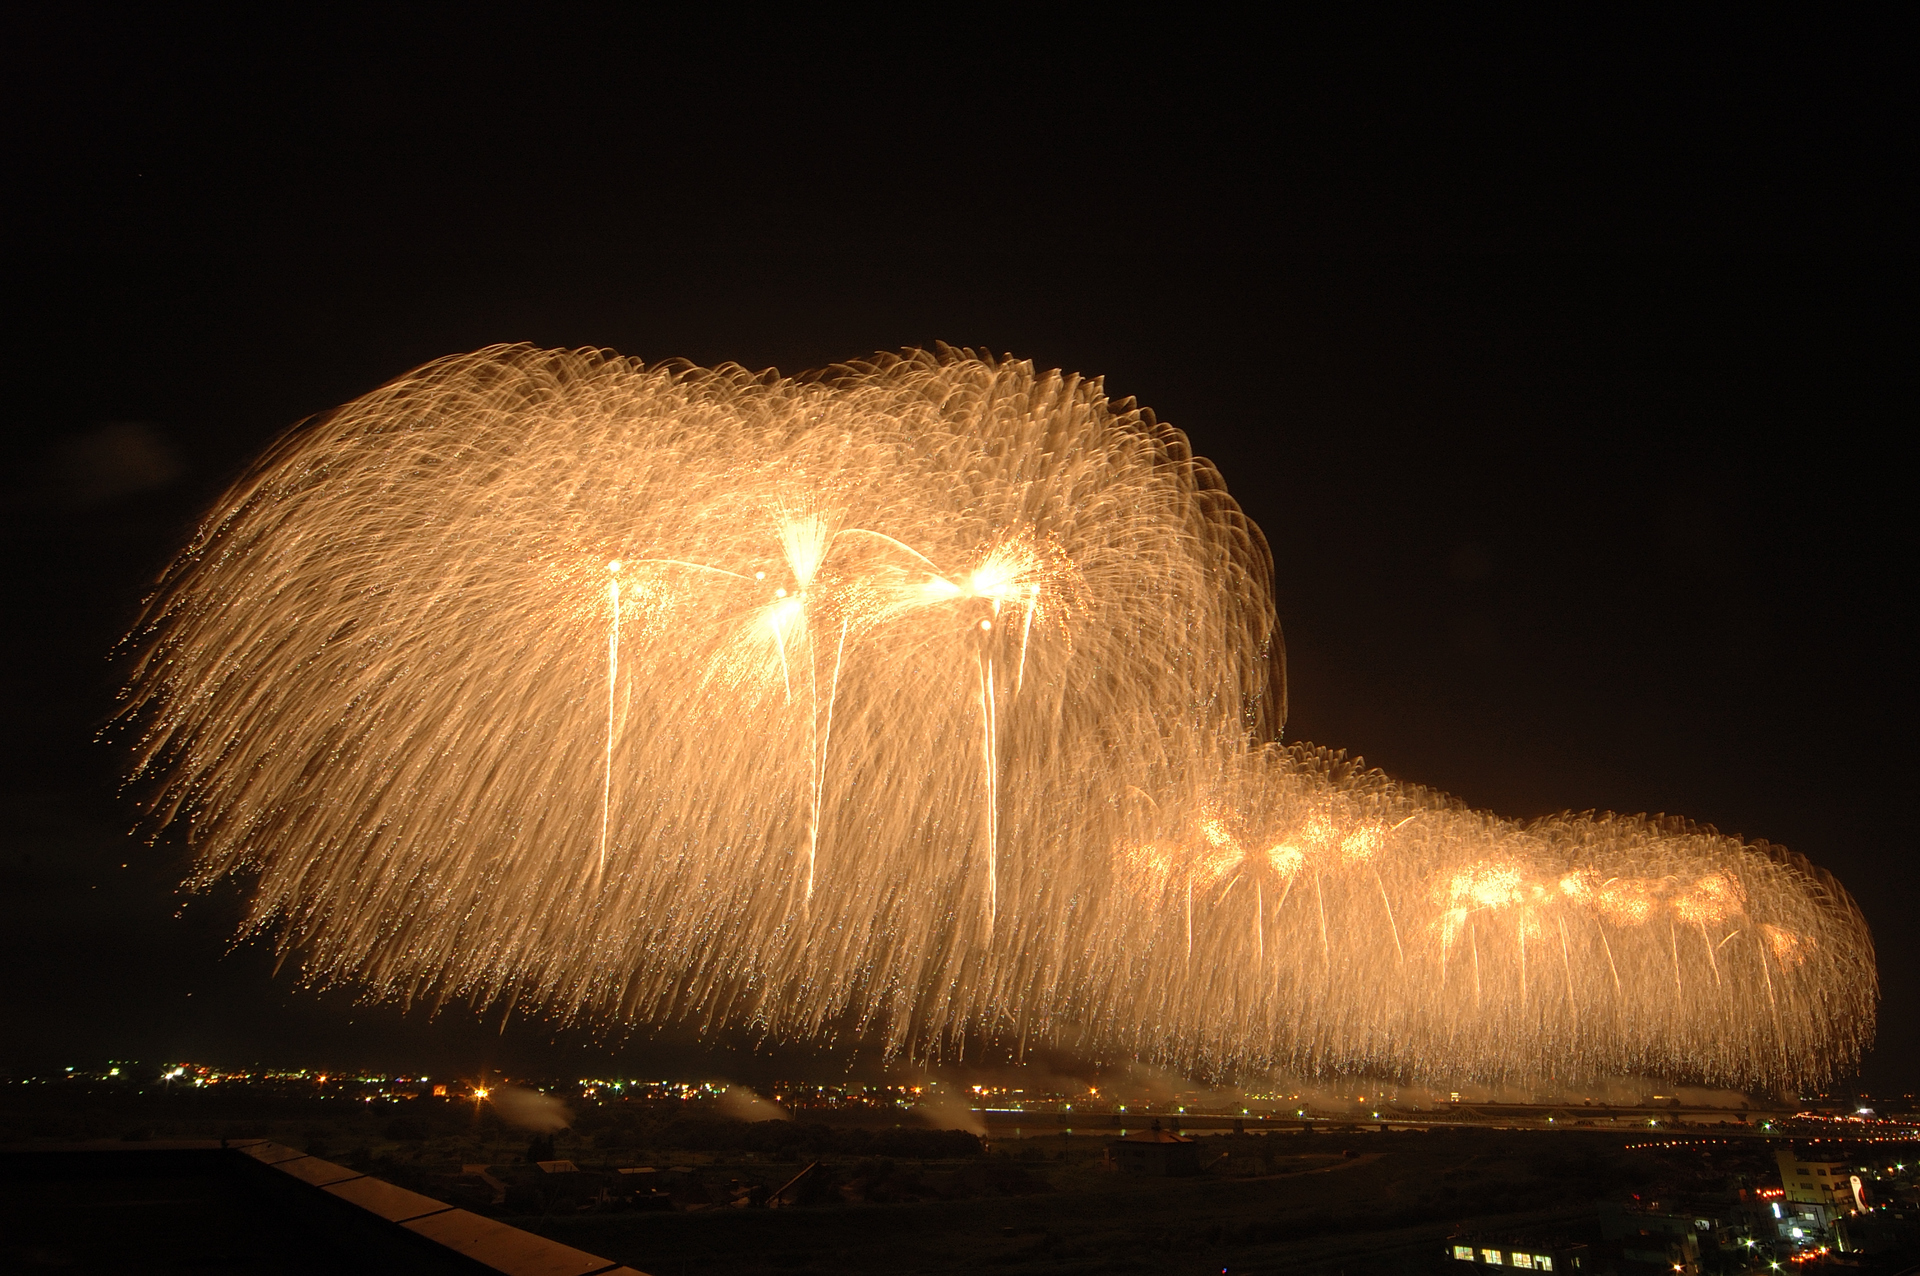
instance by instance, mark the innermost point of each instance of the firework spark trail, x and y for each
(613, 684)
(399, 679)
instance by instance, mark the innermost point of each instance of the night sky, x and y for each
(1564, 372)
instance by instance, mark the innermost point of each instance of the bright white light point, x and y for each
(779, 593)
(759, 575)
(986, 624)
(614, 566)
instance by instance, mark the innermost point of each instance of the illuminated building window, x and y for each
(1491, 1257)
(1463, 1252)
(1523, 1261)
(1543, 1262)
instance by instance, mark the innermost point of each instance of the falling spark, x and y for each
(613, 683)
(523, 620)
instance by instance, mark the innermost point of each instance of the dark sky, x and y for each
(1564, 371)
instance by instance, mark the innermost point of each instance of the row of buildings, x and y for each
(1856, 1213)
(1841, 1214)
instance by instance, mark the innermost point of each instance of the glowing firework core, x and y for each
(928, 696)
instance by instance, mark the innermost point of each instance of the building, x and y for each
(1885, 1233)
(1687, 1235)
(1517, 1253)
(1156, 1152)
(1825, 1183)
(1815, 1194)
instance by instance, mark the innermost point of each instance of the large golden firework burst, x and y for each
(928, 697)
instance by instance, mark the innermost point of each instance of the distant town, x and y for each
(1895, 1116)
(1370, 1178)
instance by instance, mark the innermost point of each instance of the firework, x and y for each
(927, 698)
